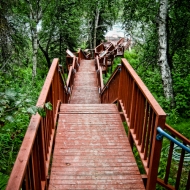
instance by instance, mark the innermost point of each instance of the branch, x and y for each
(101, 25)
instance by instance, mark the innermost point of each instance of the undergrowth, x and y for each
(18, 95)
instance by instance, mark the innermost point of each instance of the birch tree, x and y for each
(35, 16)
(151, 17)
(163, 60)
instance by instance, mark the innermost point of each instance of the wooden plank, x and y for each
(92, 150)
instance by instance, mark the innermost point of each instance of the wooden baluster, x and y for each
(136, 111)
(26, 182)
(137, 130)
(188, 182)
(35, 168)
(142, 114)
(42, 152)
(145, 126)
(31, 184)
(133, 106)
(151, 138)
(169, 161)
(130, 96)
(156, 147)
(180, 169)
(127, 91)
(148, 133)
(119, 94)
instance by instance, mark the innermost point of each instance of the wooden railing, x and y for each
(175, 169)
(99, 49)
(31, 167)
(142, 113)
(71, 75)
(81, 55)
(120, 41)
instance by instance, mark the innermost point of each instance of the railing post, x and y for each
(120, 81)
(155, 154)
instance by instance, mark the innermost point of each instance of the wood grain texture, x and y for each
(92, 150)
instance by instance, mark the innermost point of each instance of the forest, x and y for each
(33, 32)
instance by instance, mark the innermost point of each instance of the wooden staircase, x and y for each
(91, 150)
(85, 88)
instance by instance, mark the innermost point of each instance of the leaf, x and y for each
(17, 103)
(10, 93)
(41, 111)
(28, 100)
(48, 105)
(3, 101)
(31, 110)
(9, 118)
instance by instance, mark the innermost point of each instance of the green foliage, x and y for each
(18, 95)
(4, 179)
(181, 78)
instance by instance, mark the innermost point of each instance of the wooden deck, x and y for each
(91, 147)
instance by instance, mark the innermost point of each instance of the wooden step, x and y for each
(85, 89)
(92, 150)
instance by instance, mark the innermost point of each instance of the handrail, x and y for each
(98, 49)
(81, 55)
(163, 133)
(34, 156)
(71, 75)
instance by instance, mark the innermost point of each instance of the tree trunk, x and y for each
(96, 25)
(45, 52)
(162, 60)
(35, 16)
(35, 50)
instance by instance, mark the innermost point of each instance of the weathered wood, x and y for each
(92, 150)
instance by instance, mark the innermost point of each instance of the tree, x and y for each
(60, 29)
(152, 16)
(100, 16)
(162, 48)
